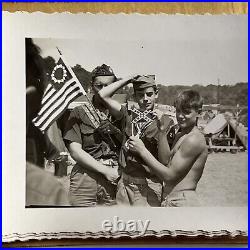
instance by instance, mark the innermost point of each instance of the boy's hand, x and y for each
(111, 174)
(164, 122)
(133, 77)
(136, 145)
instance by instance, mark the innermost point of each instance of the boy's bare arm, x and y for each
(164, 122)
(180, 164)
(87, 161)
(106, 95)
(163, 149)
(184, 158)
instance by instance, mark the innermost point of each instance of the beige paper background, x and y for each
(15, 28)
(145, 8)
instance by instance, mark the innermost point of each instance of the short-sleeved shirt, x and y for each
(79, 128)
(133, 165)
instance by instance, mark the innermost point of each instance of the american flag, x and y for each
(64, 88)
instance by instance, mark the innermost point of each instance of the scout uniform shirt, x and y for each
(82, 128)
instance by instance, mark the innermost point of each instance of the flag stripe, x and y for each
(49, 86)
(54, 96)
(56, 116)
(55, 104)
(48, 105)
(56, 113)
(57, 96)
(48, 93)
(58, 108)
(59, 113)
(43, 111)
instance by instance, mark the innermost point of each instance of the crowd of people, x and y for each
(120, 158)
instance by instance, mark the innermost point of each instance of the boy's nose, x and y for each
(145, 97)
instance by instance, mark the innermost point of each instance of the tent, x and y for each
(216, 125)
(224, 131)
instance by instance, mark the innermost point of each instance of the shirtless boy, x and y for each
(188, 154)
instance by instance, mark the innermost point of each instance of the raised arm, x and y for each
(180, 164)
(163, 148)
(87, 161)
(106, 95)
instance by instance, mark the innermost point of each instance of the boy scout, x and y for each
(88, 136)
(138, 185)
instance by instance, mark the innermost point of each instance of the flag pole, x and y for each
(72, 72)
(84, 92)
(80, 86)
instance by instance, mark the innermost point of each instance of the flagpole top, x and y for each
(59, 51)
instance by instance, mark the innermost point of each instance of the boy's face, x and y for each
(186, 118)
(146, 98)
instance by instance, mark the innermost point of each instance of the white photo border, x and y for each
(58, 223)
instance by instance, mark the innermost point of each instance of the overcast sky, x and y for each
(177, 49)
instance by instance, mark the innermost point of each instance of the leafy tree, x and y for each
(83, 76)
(228, 95)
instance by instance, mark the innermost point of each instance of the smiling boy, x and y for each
(187, 157)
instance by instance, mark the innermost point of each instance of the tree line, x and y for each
(220, 94)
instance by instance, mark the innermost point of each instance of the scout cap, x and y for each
(143, 82)
(103, 70)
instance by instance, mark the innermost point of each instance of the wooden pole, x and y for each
(80, 86)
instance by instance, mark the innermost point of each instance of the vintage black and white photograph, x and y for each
(138, 122)
(125, 117)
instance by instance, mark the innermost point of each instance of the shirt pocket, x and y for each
(89, 135)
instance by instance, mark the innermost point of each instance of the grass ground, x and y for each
(224, 180)
(223, 183)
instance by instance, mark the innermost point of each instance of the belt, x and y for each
(135, 180)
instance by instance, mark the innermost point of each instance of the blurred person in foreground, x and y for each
(42, 189)
(188, 155)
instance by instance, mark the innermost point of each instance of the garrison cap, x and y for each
(143, 82)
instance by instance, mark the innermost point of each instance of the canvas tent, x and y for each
(222, 129)
(216, 125)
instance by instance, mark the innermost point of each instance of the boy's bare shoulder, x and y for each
(195, 142)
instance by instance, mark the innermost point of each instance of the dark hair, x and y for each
(189, 99)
